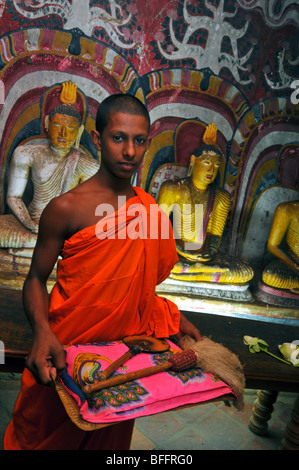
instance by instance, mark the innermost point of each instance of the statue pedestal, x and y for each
(14, 269)
(195, 303)
(279, 297)
(232, 292)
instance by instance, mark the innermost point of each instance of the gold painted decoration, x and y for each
(68, 93)
(210, 135)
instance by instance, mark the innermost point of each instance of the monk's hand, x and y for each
(187, 328)
(46, 359)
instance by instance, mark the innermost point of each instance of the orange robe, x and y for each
(105, 290)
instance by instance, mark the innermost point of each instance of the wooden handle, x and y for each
(115, 365)
(119, 379)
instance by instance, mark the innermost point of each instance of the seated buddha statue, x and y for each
(199, 210)
(283, 244)
(54, 167)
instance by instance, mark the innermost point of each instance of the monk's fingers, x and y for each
(40, 370)
(46, 358)
(188, 328)
(58, 360)
(53, 373)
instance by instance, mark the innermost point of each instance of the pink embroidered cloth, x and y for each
(146, 396)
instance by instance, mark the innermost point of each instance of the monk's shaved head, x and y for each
(119, 103)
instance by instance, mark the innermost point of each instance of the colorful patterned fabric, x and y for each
(146, 396)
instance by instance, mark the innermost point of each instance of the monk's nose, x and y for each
(129, 149)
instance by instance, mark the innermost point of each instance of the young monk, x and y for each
(105, 286)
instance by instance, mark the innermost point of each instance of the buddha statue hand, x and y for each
(197, 257)
(211, 247)
(204, 253)
(19, 209)
(29, 223)
(294, 257)
(33, 226)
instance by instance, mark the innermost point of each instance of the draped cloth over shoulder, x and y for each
(105, 290)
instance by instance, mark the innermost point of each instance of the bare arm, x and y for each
(19, 171)
(215, 227)
(187, 328)
(46, 358)
(168, 196)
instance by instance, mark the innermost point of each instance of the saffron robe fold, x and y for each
(105, 290)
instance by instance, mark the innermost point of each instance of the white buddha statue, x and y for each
(54, 167)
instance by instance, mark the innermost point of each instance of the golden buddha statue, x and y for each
(54, 167)
(283, 272)
(199, 211)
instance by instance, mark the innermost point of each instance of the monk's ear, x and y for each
(96, 139)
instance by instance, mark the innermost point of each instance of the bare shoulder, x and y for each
(173, 189)
(24, 154)
(31, 150)
(288, 211)
(73, 210)
(173, 184)
(288, 206)
(58, 213)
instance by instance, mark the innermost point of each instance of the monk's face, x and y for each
(206, 167)
(63, 131)
(123, 144)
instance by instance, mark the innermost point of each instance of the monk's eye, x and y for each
(117, 138)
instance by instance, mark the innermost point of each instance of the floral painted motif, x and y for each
(145, 396)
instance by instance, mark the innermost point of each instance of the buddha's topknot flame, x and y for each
(68, 93)
(210, 134)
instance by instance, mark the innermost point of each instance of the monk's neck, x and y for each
(117, 186)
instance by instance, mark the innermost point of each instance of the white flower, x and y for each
(290, 352)
(259, 345)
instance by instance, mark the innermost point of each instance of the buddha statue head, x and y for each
(206, 160)
(63, 118)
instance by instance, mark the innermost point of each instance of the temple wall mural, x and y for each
(192, 62)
